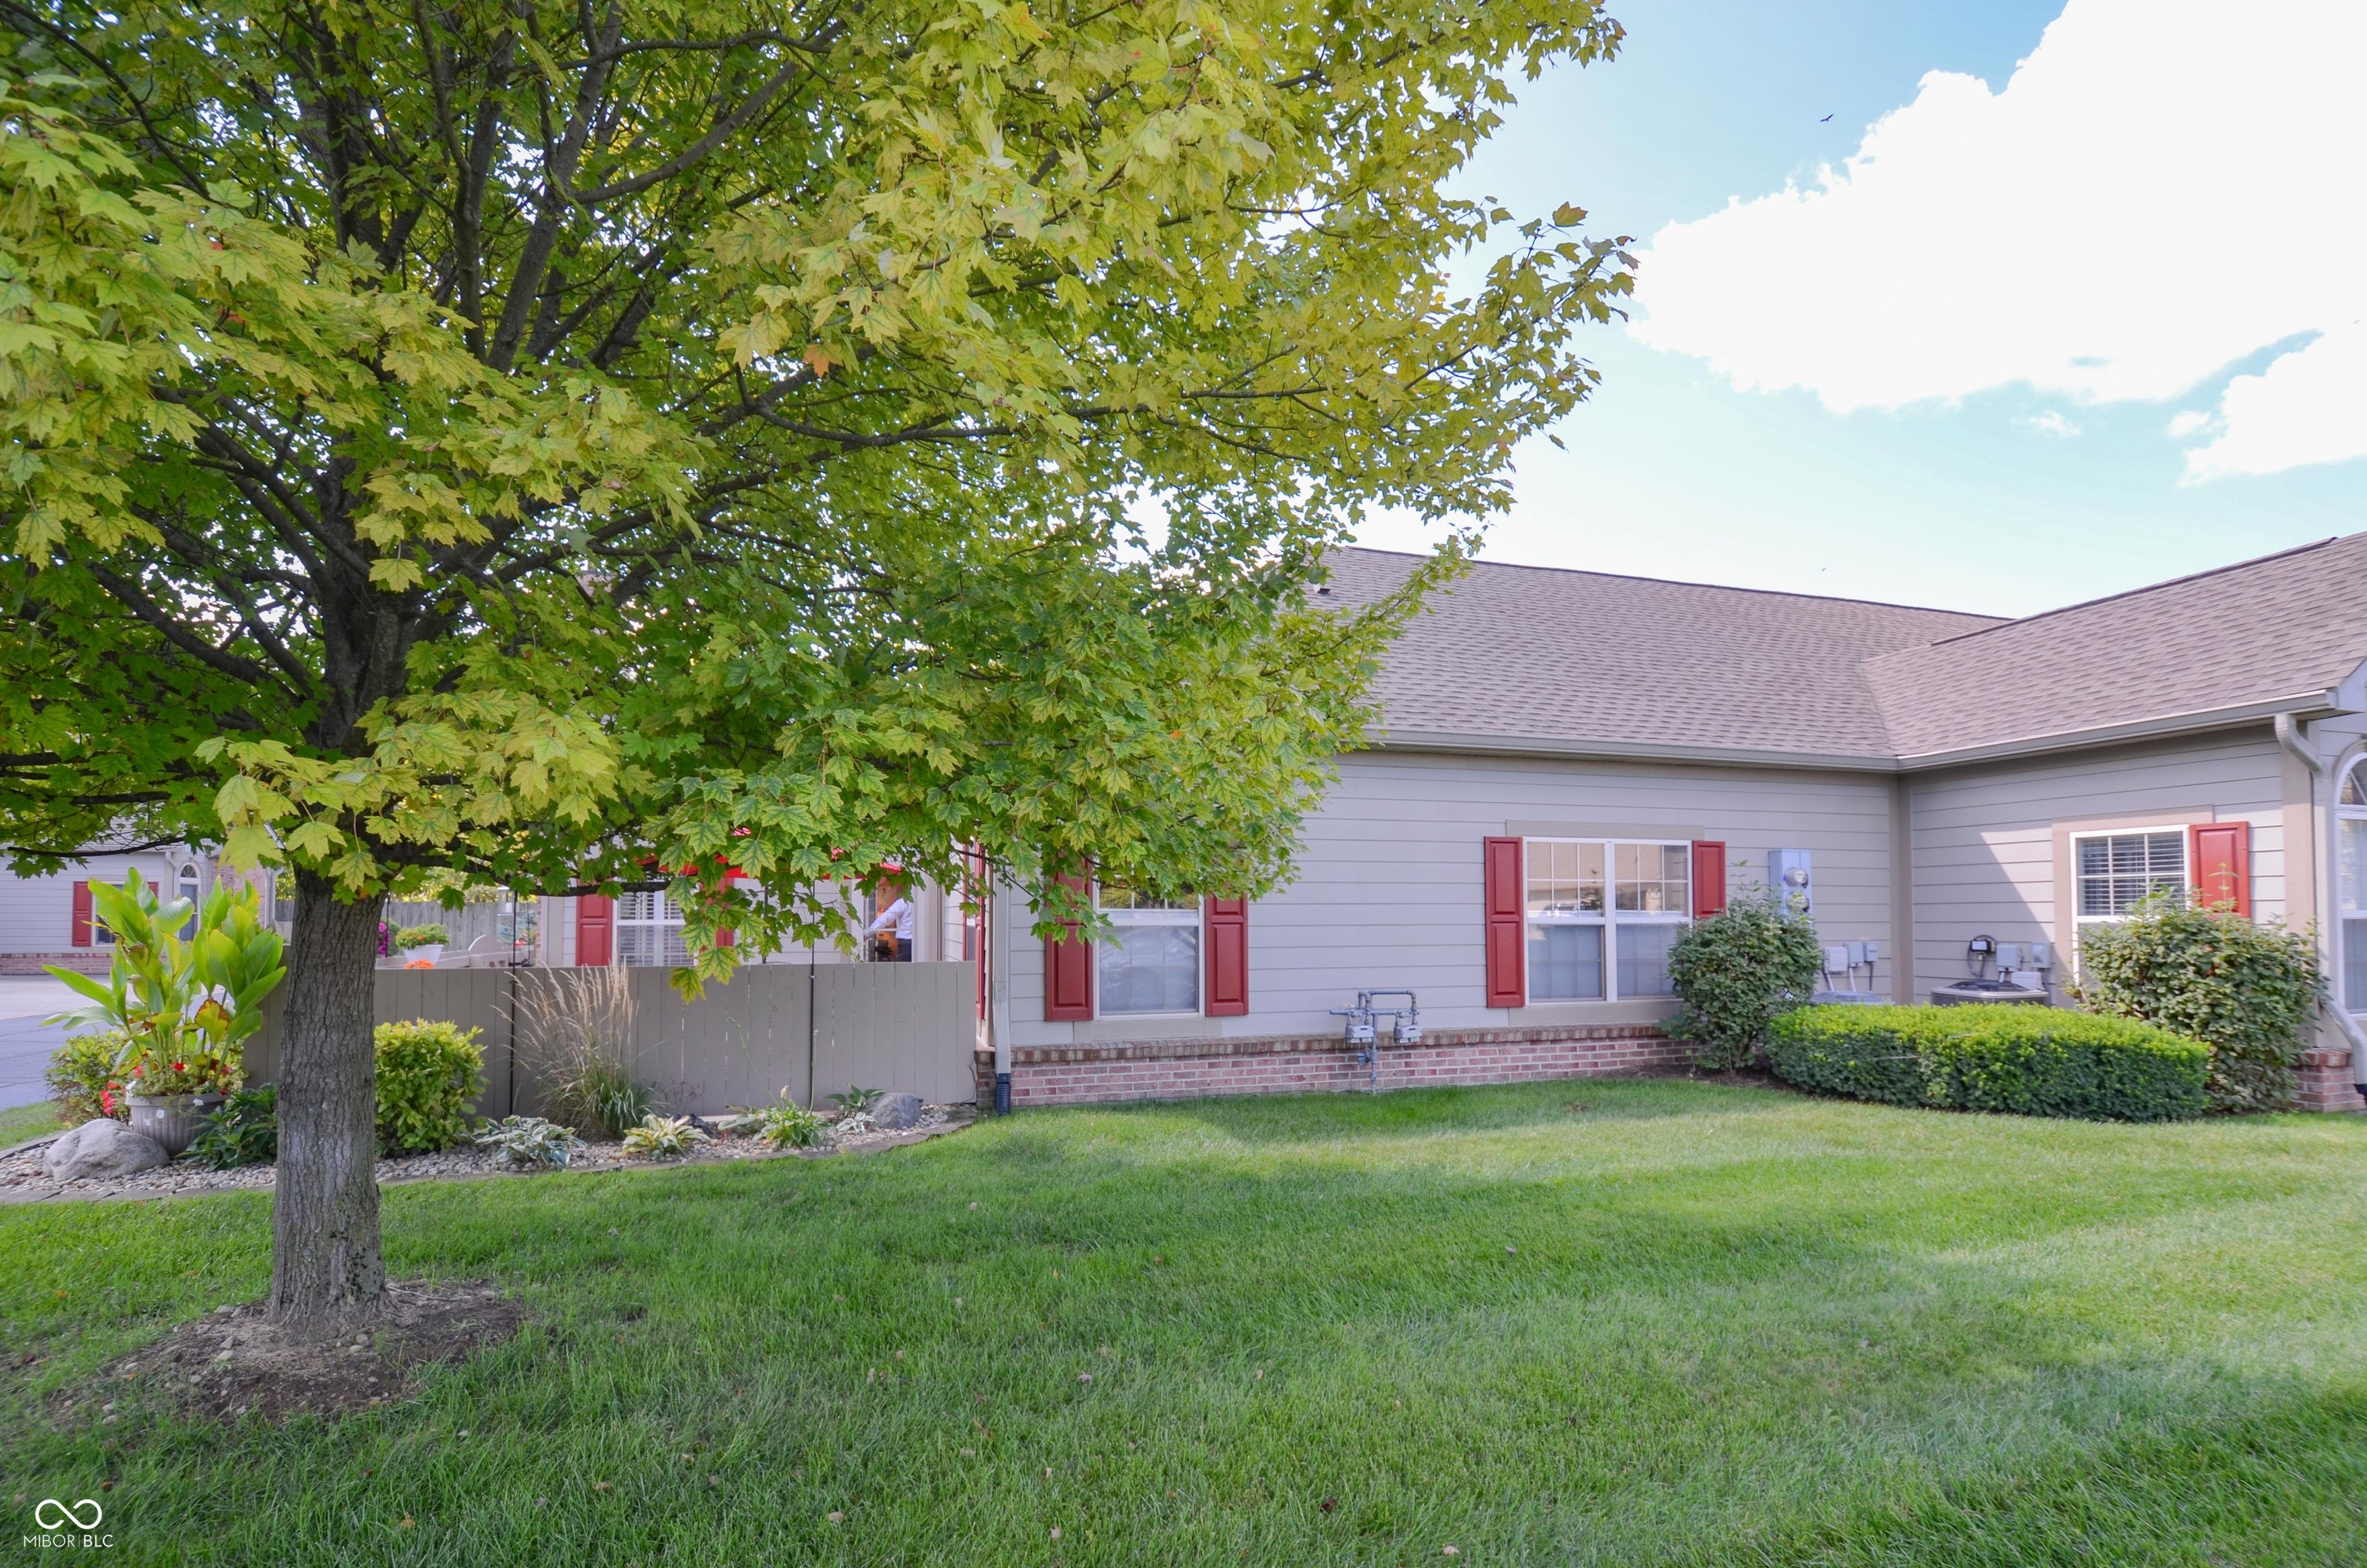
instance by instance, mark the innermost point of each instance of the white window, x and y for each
(1151, 961)
(2116, 870)
(1602, 916)
(648, 931)
(2113, 872)
(185, 886)
(2350, 882)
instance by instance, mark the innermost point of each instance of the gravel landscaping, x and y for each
(23, 1181)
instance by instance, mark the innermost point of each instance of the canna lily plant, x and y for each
(185, 994)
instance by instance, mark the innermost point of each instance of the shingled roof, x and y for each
(1535, 659)
(2278, 633)
(1527, 658)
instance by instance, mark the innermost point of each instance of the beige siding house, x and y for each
(1569, 766)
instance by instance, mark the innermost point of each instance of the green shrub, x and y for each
(1736, 973)
(2243, 989)
(244, 1131)
(427, 1074)
(86, 1077)
(2030, 1061)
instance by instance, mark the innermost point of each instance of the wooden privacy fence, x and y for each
(814, 1031)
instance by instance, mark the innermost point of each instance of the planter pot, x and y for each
(430, 952)
(173, 1120)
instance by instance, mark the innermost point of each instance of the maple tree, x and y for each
(612, 443)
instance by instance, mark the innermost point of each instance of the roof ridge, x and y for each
(2147, 588)
(1721, 587)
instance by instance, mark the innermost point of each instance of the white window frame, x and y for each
(2080, 922)
(1191, 915)
(188, 876)
(659, 915)
(2351, 914)
(1610, 918)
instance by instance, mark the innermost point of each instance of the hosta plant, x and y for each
(662, 1138)
(785, 1125)
(531, 1142)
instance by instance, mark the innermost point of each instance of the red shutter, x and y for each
(1508, 979)
(1069, 972)
(1709, 877)
(82, 915)
(595, 931)
(1227, 924)
(2219, 861)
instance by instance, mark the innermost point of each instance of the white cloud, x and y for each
(2050, 423)
(2192, 422)
(2164, 188)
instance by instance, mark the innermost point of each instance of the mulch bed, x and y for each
(235, 1361)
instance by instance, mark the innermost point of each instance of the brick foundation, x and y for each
(86, 960)
(1160, 1070)
(2325, 1082)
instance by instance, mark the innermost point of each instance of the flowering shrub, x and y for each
(191, 1073)
(85, 1076)
(429, 936)
(184, 1006)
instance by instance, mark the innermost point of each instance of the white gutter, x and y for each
(2322, 702)
(1575, 749)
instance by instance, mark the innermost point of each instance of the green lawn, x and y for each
(20, 1122)
(1688, 1324)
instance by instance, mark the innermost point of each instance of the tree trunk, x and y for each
(325, 1268)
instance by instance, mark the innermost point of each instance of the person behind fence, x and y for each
(891, 930)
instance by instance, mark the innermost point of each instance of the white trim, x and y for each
(1609, 919)
(2185, 862)
(1194, 916)
(2344, 917)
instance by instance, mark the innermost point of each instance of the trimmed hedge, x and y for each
(2029, 1060)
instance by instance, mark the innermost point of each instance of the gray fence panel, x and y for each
(898, 1026)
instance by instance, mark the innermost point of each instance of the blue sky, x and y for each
(2000, 495)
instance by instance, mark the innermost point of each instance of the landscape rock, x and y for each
(893, 1113)
(102, 1151)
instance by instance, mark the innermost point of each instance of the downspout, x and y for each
(998, 988)
(2289, 736)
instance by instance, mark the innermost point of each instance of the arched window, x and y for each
(186, 884)
(2350, 882)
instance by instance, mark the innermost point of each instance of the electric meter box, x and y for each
(1789, 879)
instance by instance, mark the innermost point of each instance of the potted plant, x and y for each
(418, 946)
(184, 1006)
